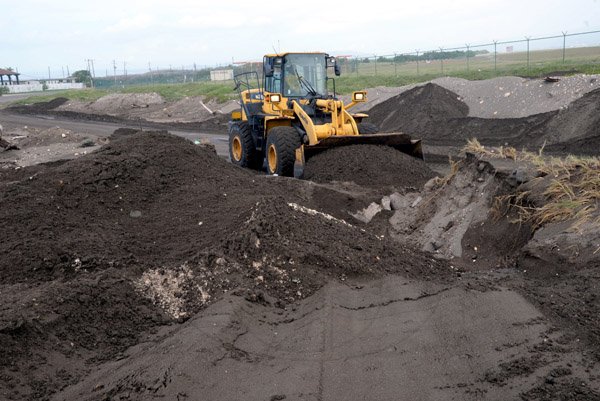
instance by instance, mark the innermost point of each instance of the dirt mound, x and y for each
(118, 103)
(580, 121)
(126, 192)
(368, 165)
(188, 109)
(150, 229)
(40, 107)
(440, 117)
(417, 110)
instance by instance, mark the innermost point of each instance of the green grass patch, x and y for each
(219, 91)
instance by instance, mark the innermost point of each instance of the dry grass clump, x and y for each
(473, 146)
(441, 182)
(572, 193)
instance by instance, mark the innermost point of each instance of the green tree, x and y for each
(83, 76)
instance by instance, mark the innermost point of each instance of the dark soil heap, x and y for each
(40, 107)
(368, 165)
(130, 202)
(418, 110)
(78, 237)
(437, 115)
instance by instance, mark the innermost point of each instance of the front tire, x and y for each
(367, 129)
(282, 143)
(242, 151)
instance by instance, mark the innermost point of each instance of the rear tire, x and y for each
(367, 129)
(282, 143)
(242, 151)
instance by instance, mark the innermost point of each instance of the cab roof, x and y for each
(286, 53)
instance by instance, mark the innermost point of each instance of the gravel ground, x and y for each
(503, 97)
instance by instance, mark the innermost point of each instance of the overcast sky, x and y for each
(41, 34)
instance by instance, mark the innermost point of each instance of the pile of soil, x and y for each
(418, 110)
(370, 166)
(144, 111)
(146, 231)
(438, 116)
(118, 103)
(41, 107)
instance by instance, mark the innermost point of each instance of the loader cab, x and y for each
(298, 75)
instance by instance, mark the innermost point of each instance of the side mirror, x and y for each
(337, 70)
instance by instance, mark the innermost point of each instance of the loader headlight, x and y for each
(276, 98)
(359, 96)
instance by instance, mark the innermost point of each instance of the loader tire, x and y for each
(242, 151)
(367, 129)
(282, 143)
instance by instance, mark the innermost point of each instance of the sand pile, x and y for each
(368, 165)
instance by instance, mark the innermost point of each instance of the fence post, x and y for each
(395, 66)
(417, 61)
(375, 55)
(442, 59)
(495, 56)
(564, 44)
(527, 38)
(467, 56)
(356, 65)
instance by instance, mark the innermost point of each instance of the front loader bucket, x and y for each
(402, 142)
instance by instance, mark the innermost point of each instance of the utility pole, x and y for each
(150, 71)
(63, 71)
(93, 70)
(68, 73)
(49, 72)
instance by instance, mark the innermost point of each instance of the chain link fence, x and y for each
(527, 54)
(563, 52)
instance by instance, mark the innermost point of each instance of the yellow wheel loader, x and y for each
(291, 115)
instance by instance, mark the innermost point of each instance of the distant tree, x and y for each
(4, 90)
(83, 76)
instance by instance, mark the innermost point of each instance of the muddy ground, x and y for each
(129, 269)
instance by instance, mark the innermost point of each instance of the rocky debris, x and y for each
(367, 214)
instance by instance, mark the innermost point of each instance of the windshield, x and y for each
(305, 74)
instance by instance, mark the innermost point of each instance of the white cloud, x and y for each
(141, 21)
